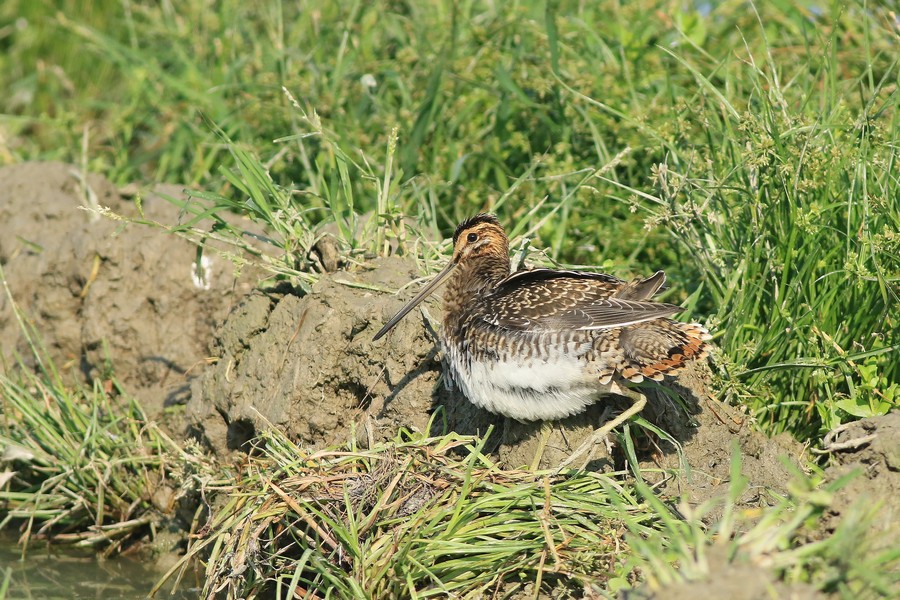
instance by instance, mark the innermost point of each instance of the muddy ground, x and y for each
(220, 359)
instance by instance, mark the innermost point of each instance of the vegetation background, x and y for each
(749, 150)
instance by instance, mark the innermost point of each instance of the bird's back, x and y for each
(558, 339)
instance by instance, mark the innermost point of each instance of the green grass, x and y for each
(423, 517)
(86, 471)
(678, 549)
(419, 517)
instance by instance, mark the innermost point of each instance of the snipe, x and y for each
(543, 344)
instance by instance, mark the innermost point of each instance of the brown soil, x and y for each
(874, 490)
(307, 365)
(734, 579)
(102, 293)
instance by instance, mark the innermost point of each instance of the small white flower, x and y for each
(368, 81)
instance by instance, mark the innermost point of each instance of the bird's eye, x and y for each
(472, 237)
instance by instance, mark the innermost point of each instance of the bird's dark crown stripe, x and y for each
(473, 221)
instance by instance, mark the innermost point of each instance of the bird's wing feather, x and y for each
(544, 300)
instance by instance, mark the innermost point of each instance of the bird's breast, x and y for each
(526, 385)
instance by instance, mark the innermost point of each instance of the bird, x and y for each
(543, 344)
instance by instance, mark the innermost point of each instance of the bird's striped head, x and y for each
(479, 236)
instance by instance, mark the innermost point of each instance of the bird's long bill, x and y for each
(426, 291)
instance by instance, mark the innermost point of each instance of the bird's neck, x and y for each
(474, 278)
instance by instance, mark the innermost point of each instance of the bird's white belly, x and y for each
(528, 390)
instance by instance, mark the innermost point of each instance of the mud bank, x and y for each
(108, 296)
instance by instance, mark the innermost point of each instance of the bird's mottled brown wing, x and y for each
(544, 300)
(642, 289)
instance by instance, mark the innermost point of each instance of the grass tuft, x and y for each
(781, 541)
(432, 516)
(418, 517)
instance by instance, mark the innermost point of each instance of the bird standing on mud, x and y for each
(544, 344)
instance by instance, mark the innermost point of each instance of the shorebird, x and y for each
(544, 344)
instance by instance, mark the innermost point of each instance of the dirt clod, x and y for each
(874, 489)
(735, 579)
(307, 364)
(102, 295)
